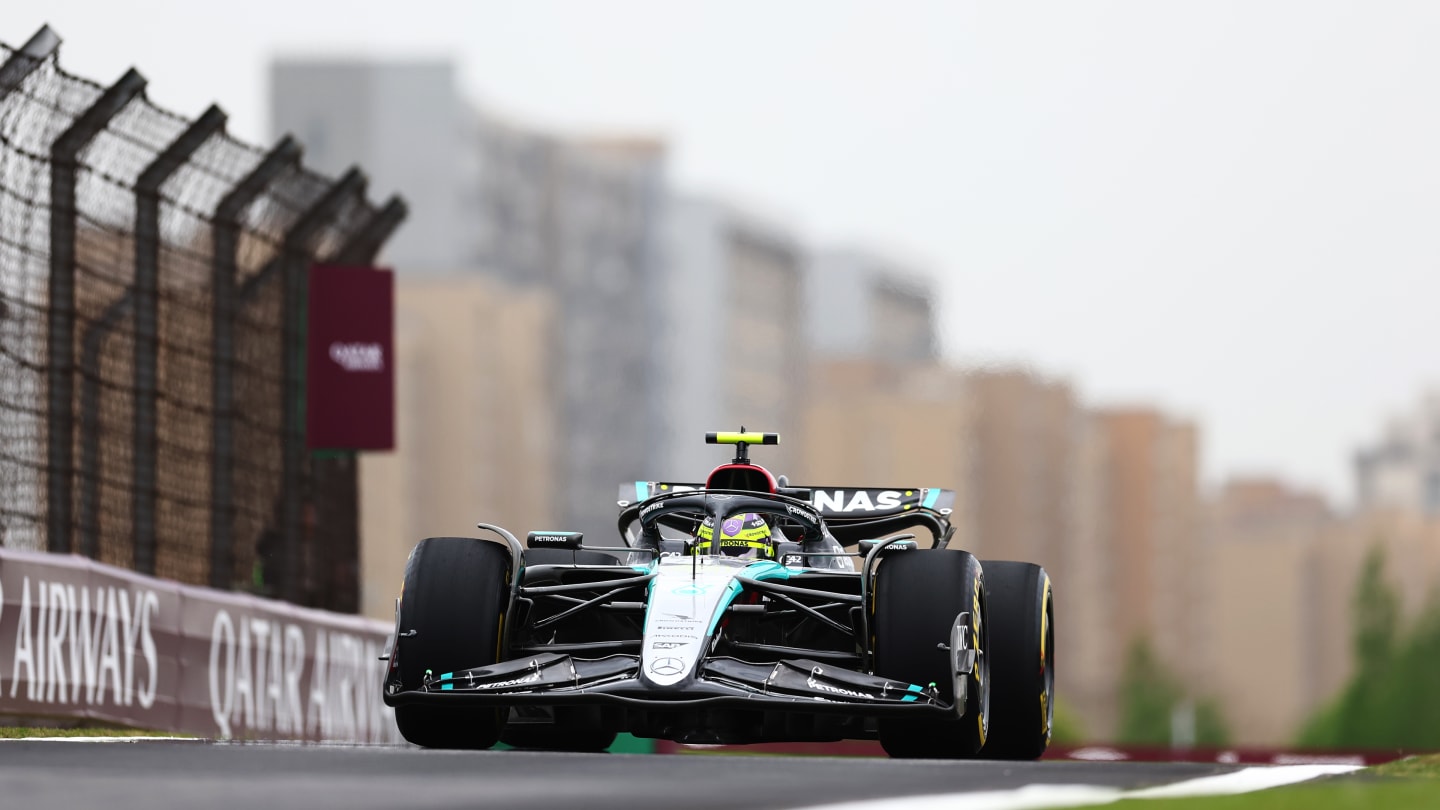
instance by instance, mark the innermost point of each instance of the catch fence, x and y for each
(153, 275)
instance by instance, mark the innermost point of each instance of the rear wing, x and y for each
(830, 502)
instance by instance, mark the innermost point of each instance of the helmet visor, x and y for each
(744, 536)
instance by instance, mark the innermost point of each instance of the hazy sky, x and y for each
(1226, 208)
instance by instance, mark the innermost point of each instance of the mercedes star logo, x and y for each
(667, 666)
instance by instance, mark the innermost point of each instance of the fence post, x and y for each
(143, 492)
(60, 318)
(373, 235)
(92, 344)
(224, 269)
(294, 263)
(24, 61)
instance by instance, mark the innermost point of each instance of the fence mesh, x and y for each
(105, 483)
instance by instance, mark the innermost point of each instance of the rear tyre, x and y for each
(454, 601)
(1022, 660)
(918, 596)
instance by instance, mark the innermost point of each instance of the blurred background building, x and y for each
(1402, 470)
(1151, 483)
(578, 218)
(407, 125)
(729, 346)
(475, 424)
(863, 305)
(1263, 605)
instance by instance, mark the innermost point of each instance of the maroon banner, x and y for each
(89, 641)
(350, 388)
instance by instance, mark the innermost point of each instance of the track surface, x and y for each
(150, 775)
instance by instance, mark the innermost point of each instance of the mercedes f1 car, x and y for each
(740, 610)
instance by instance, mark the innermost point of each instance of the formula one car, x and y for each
(733, 611)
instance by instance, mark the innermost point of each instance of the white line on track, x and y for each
(1039, 797)
(1241, 781)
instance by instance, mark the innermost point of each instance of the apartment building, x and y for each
(474, 425)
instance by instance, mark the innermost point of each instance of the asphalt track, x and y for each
(151, 775)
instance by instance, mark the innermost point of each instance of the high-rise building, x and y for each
(1037, 487)
(1091, 654)
(475, 420)
(1151, 514)
(1260, 600)
(1402, 470)
(878, 424)
(1023, 465)
(1410, 545)
(858, 304)
(577, 217)
(875, 424)
(1142, 500)
(406, 123)
(602, 234)
(729, 350)
(1276, 581)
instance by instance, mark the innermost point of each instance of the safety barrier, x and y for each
(84, 640)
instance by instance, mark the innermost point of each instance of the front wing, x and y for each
(555, 679)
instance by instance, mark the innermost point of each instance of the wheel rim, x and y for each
(982, 669)
(1047, 661)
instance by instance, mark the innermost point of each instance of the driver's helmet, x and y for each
(746, 535)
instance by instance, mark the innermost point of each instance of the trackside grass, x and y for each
(25, 732)
(1339, 794)
(1400, 785)
(1415, 767)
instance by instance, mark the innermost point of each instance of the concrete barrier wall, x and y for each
(84, 640)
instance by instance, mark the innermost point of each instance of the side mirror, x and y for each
(569, 541)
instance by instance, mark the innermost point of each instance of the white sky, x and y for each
(1225, 208)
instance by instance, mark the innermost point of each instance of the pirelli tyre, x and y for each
(918, 597)
(1022, 660)
(451, 612)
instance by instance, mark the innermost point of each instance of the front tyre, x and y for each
(918, 597)
(1022, 660)
(454, 602)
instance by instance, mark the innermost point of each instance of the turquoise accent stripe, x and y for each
(763, 570)
(931, 496)
(446, 687)
(913, 688)
(758, 571)
(447, 676)
(909, 699)
(731, 591)
(642, 490)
